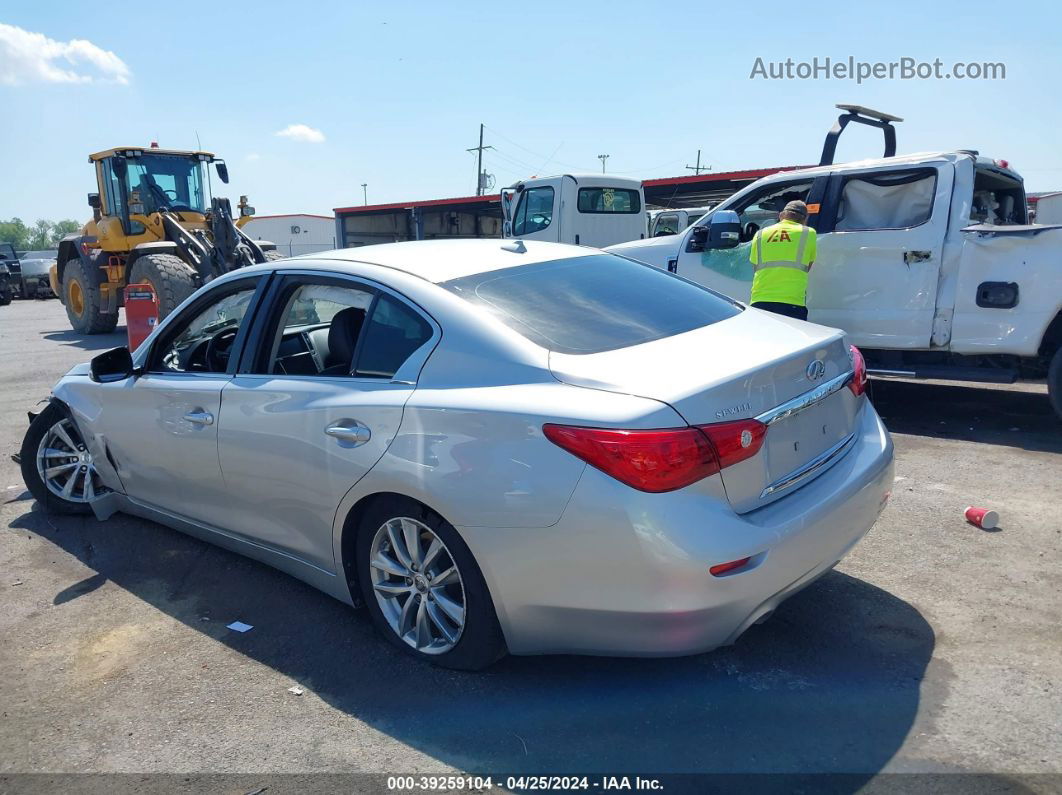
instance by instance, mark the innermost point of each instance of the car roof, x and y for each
(442, 260)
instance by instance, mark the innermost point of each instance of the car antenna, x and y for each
(516, 246)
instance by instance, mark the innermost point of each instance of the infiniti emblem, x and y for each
(816, 370)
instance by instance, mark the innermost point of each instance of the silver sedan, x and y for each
(495, 446)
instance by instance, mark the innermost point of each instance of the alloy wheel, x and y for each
(417, 585)
(65, 464)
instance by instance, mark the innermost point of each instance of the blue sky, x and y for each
(397, 90)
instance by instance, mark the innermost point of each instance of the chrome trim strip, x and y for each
(811, 467)
(893, 373)
(805, 401)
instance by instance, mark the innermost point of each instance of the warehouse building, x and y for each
(481, 216)
(294, 233)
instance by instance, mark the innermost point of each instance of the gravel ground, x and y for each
(935, 647)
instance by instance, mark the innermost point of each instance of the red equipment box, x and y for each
(141, 313)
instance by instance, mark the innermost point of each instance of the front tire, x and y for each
(170, 277)
(423, 588)
(81, 297)
(57, 466)
(1054, 382)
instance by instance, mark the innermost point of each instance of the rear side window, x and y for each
(609, 200)
(895, 200)
(591, 304)
(393, 332)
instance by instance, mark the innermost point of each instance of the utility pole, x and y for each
(479, 161)
(602, 158)
(365, 192)
(697, 169)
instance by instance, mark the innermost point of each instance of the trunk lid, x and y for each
(752, 365)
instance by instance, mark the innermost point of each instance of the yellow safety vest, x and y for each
(781, 256)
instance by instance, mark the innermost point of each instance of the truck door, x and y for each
(538, 209)
(881, 233)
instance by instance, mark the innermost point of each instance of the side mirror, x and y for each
(113, 365)
(724, 230)
(246, 210)
(94, 201)
(223, 171)
(121, 168)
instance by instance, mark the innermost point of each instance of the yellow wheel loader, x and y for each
(153, 221)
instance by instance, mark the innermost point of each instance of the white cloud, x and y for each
(27, 57)
(302, 132)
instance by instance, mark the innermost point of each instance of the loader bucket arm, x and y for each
(232, 247)
(860, 115)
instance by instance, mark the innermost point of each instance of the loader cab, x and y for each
(588, 210)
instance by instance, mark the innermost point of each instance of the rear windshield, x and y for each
(592, 304)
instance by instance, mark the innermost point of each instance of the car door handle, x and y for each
(200, 417)
(353, 432)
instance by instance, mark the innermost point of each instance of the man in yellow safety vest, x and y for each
(781, 256)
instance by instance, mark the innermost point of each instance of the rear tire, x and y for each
(170, 276)
(53, 444)
(1054, 382)
(432, 593)
(81, 296)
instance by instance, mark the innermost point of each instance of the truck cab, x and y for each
(585, 209)
(674, 220)
(927, 261)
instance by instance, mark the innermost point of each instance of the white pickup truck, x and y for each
(927, 261)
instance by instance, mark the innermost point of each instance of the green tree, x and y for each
(61, 229)
(15, 232)
(40, 235)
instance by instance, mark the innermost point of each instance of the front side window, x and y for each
(609, 200)
(202, 342)
(666, 224)
(591, 304)
(890, 200)
(761, 208)
(534, 212)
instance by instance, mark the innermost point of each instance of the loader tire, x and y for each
(81, 297)
(170, 276)
(1054, 383)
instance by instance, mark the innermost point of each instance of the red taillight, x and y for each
(858, 384)
(723, 568)
(664, 459)
(735, 441)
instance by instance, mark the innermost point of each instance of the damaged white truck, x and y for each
(927, 261)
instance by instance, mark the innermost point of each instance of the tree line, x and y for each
(43, 234)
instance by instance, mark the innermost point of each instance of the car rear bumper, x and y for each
(626, 573)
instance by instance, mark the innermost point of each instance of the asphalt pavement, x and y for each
(935, 647)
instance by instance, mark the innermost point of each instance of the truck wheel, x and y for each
(5, 296)
(81, 296)
(170, 276)
(1054, 382)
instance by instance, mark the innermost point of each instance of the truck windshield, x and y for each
(592, 304)
(166, 182)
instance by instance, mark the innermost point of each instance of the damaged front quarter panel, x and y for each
(75, 397)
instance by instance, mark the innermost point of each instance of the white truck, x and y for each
(583, 209)
(927, 261)
(673, 220)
